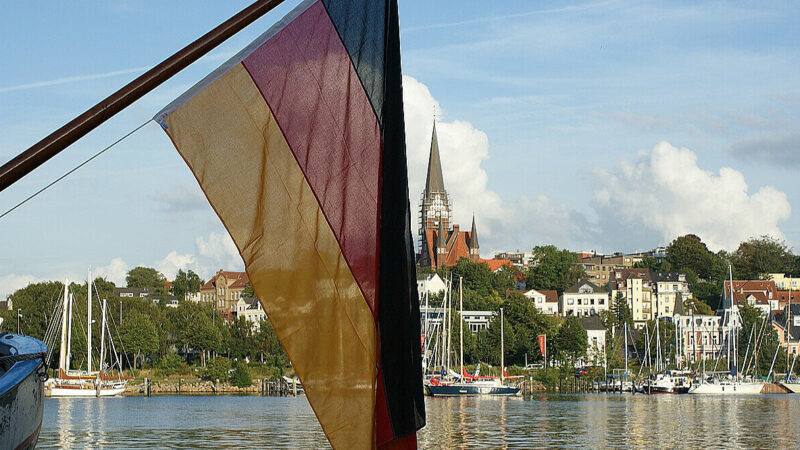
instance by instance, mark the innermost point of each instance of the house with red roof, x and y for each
(544, 300)
(761, 294)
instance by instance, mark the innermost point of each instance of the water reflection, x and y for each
(592, 420)
(613, 420)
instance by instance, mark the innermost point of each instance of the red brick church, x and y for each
(442, 243)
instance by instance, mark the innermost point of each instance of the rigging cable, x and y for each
(74, 169)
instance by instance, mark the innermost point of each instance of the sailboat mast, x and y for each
(102, 342)
(89, 323)
(461, 322)
(69, 332)
(62, 354)
(625, 350)
(502, 346)
(447, 314)
(658, 348)
(677, 349)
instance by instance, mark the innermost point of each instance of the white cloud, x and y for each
(173, 262)
(115, 271)
(11, 282)
(667, 194)
(217, 252)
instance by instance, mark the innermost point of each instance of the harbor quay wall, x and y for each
(140, 387)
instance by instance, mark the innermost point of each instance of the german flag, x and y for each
(299, 145)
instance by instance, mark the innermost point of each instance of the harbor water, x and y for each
(578, 420)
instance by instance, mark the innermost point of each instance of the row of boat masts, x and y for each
(699, 380)
(439, 378)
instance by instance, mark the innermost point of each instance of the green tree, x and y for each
(146, 277)
(554, 269)
(37, 303)
(139, 336)
(689, 252)
(487, 342)
(620, 311)
(570, 340)
(762, 256)
(477, 276)
(653, 264)
(249, 291)
(504, 279)
(241, 375)
(271, 347)
(217, 369)
(186, 283)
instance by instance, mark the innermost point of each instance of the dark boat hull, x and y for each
(461, 390)
(21, 393)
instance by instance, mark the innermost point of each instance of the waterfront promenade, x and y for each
(558, 420)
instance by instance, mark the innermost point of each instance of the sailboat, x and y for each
(733, 383)
(80, 383)
(473, 385)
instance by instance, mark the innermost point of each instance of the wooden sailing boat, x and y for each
(80, 383)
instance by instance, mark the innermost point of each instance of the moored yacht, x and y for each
(21, 374)
(82, 383)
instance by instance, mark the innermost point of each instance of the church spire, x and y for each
(473, 236)
(434, 182)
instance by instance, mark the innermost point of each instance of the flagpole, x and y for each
(57, 141)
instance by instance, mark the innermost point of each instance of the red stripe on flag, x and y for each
(307, 79)
(306, 76)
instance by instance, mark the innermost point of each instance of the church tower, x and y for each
(434, 214)
(474, 247)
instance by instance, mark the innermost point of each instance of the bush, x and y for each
(241, 375)
(172, 364)
(217, 369)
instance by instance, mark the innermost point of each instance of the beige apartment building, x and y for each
(224, 290)
(636, 287)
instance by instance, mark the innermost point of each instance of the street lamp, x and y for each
(19, 316)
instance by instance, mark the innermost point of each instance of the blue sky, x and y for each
(591, 125)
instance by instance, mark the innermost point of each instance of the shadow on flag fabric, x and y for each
(298, 143)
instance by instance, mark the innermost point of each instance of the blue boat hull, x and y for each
(461, 390)
(21, 392)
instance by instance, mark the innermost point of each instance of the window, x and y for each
(602, 301)
(570, 301)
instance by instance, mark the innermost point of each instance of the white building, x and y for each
(475, 320)
(584, 299)
(671, 288)
(430, 284)
(595, 341)
(193, 297)
(701, 336)
(545, 301)
(251, 310)
(637, 288)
